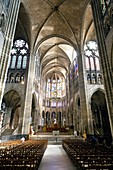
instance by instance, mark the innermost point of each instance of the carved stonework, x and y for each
(4, 5)
(108, 19)
(1, 20)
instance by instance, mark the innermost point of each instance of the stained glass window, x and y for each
(97, 63)
(53, 104)
(19, 55)
(19, 62)
(37, 66)
(24, 62)
(87, 63)
(55, 88)
(59, 104)
(92, 61)
(75, 68)
(92, 55)
(19, 43)
(13, 62)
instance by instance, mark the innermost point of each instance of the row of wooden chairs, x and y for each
(87, 156)
(23, 155)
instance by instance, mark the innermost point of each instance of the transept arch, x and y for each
(100, 119)
(12, 111)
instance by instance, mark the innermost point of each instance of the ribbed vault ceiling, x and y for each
(12, 99)
(56, 30)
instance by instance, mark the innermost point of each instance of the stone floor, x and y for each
(55, 158)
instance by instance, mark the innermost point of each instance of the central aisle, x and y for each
(55, 158)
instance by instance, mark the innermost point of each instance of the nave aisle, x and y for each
(55, 158)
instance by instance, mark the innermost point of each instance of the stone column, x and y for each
(36, 120)
(28, 97)
(8, 41)
(1, 120)
(83, 94)
(68, 98)
(105, 65)
(21, 115)
(7, 116)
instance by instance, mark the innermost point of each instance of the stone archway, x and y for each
(12, 110)
(100, 117)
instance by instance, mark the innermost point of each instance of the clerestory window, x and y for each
(19, 55)
(92, 64)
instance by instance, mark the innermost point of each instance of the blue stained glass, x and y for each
(19, 62)
(19, 54)
(24, 62)
(13, 62)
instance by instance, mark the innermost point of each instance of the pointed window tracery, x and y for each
(92, 64)
(19, 55)
(55, 88)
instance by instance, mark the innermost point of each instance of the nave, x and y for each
(56, 158)
(70, 154)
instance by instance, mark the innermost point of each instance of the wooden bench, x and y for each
(88, 156)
